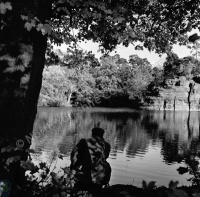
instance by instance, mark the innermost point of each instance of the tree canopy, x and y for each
(80, 82)
(176, 67)
(157, 24)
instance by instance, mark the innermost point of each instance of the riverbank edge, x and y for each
(121, 190)
(116, 107)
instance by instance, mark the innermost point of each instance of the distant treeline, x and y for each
(78, 78)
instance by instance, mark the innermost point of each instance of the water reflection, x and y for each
(148, 145)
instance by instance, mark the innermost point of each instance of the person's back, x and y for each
(89, 156)
(99, 152)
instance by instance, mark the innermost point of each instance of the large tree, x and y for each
(26, 24)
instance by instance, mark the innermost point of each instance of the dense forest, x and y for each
(78, 78)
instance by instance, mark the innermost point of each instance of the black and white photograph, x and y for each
(99, 98)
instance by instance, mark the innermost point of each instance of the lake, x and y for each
(146, 145)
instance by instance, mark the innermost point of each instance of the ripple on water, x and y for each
(145, 144)
(145, 165)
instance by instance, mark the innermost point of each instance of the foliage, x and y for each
(156, 83)
(177, 67)
(156, 24)
(51, 57)
(192, 161)
(75, 58)
(172, 66)
(84, 83)
(106, 76)
(141, 76)
(83, 78)
(4, 7)
(189, 67)
(54, 86)
(42, 181)
(194, 45)
(59, 83)
(149, 186)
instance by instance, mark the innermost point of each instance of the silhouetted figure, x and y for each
(88, 159)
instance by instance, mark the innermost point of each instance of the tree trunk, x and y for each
(189, 94)
(22, 56)
(69, 98)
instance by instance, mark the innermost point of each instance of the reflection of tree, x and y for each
(175, 150)
(138, 142)
(116, 125)
(50, 127)
(125, 131)
(170, 149)
(150, 125)
(128, 134)
(191, 158)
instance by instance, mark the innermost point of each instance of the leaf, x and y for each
(151, 185)
(173, 185)
(66, 170)
(48, 28)
(54, 176)
(39, 26)
(29, 165)
(36, 19)
(47, 170)
(182, 170)
(16, 149)
(138, 47)
(28, 26)
(43, 31)
(23, 17)
(144, 184)
(7, 149)
(8, 5)
(176, 192)
(132, 35)
(2, 8)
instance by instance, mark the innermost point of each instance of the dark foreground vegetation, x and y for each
(171, 191)
(42, 181)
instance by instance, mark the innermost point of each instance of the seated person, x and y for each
(89, 159)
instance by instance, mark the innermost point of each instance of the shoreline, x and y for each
(124, 108)
(173, 190)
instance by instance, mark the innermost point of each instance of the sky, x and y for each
(125, 52)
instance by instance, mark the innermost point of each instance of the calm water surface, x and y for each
(146, 145)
